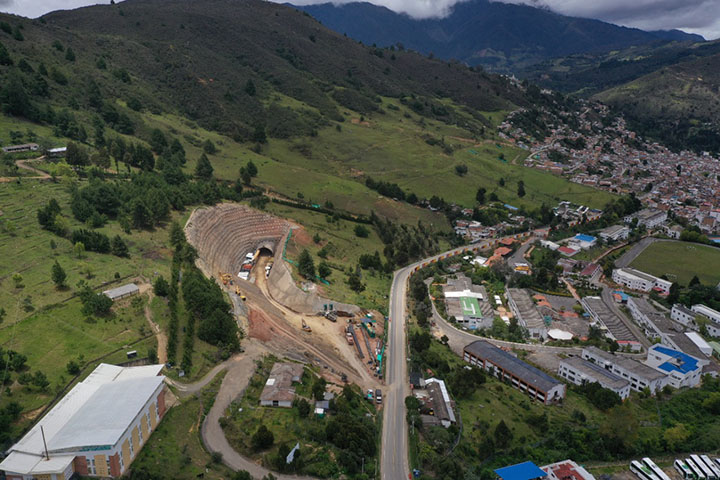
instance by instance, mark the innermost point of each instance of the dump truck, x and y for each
(305, 326)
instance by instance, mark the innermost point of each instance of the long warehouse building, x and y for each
(96, 430)
(523, 376)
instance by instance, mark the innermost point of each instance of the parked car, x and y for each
(378, 396)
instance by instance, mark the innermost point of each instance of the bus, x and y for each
(642, 471)
(685, 472)
(709, 474)
(655, 469)
(711, 465)
(709, 462)
(696, 470)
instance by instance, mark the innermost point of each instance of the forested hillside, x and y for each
(217, 62)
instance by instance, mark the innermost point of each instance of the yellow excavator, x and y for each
(238, 292)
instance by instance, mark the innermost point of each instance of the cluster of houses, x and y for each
(279, 389)
(614, 158)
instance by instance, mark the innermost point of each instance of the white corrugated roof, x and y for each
(121, 291)
(107, 414)
(110, 393)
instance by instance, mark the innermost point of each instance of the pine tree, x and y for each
(119, 247)
(204, 168)
(306, 266)
(521, 189)
(58, 275)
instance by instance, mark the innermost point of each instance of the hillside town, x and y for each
(610, 156)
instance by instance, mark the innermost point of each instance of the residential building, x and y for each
(579, 371)
(25, 147)
(278, 390)
(97, 429)
(713, 326)
(607, 320)
(57, 152)
(638, 374)
(440, 401)
(592, 272)
(684, 316)
(682, 369)
(655, 324)
(704, 347)
(521, 471)
(537, 384)
(648, 217)
(640, 281)
(122, 292)
(526, 312)
(674, 231)
(548, 244)
(614, 233)
(566, 470)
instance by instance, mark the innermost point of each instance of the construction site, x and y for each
(244, 250)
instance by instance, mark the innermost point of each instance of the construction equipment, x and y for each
(305, 326)
(238, 292)
(349, 338)
(225, 278)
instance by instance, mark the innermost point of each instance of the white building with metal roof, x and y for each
(122, 292)
(97, 429)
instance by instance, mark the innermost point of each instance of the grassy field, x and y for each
(58, 334)
(32, 253)
(681, 261)
(391, 146)
(175, 448)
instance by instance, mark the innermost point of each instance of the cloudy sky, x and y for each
(697, 16)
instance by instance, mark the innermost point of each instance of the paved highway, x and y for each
(394, 449)
(394, 454)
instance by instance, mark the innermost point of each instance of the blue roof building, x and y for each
(682, 369)
(521, 471)
(580, 237)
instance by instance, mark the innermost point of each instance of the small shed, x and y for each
(121, 292)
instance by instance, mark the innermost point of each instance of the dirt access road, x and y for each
(323, 332)
(24, 164)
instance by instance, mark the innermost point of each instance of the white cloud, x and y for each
(414, 8)
(36, 8)
(697, 16)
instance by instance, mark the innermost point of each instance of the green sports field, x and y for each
(680, 261)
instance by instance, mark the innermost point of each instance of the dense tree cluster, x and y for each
(404, 243)
(204, 299)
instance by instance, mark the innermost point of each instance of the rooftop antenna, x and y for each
(47, 455)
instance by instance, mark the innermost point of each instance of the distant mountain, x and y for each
(587, 74)
(678, 104)
(499, 36)
(219, 63)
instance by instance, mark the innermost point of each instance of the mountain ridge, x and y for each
(496, 35)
